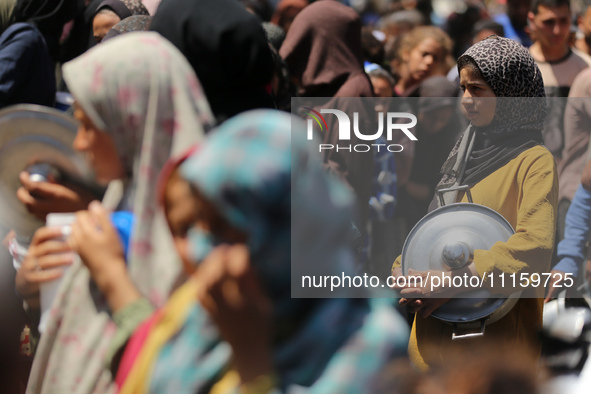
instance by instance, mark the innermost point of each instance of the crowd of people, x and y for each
(185, 116)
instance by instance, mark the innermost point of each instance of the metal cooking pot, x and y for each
(38, 140)
(445, 239)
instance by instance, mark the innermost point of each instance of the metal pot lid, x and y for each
(33, 134)
(445, 240)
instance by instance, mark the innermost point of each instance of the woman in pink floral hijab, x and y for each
(140, 90)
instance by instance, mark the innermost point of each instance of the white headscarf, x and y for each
(140, 89)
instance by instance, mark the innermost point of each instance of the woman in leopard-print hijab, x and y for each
(512, 74)
(502, 160)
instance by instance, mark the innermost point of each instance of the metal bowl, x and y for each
(31, 135)
(445, 240)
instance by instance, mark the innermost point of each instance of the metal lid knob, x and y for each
(457, 255)
(43, 172)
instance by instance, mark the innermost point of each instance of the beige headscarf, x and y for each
(140, 89)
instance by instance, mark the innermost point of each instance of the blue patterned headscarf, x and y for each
(267, 180)
(257, 172)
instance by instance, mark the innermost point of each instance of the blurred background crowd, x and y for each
(199, 69)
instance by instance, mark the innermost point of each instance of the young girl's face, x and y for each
(102, 23)
(479, 102)
(185, 208)
(99, 148)
(181, 214)
(424, 59)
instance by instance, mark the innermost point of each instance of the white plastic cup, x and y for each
(48, 290)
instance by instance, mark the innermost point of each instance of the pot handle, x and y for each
(455, 336)
(464, 188)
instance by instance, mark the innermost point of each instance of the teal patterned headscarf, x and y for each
(267, 180)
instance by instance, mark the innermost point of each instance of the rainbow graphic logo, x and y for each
(317, 117)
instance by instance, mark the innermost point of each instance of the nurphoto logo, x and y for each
(344, 130)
